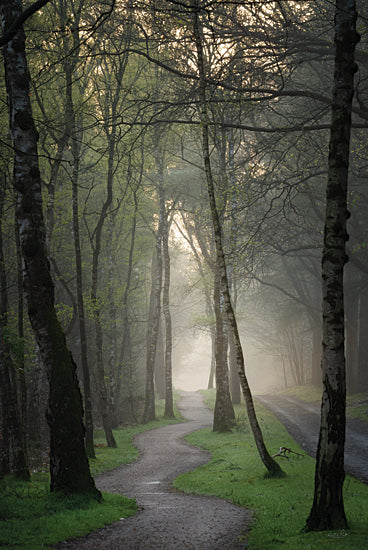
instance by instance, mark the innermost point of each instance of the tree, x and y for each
(69, 466)
(269, 462)
(328, 506)
(13, 455)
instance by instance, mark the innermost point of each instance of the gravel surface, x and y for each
(302, 421)
(168, 519)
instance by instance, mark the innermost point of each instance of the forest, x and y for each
(164, 220)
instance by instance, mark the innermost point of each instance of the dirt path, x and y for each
(168, 519)
(302, 421)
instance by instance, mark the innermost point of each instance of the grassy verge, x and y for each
(281, 506)
(356, 405)
(32, 518)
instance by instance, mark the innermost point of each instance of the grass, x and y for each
(356, 405)
(280, 506)
(32, 518)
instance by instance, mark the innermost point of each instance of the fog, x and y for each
(192, 362)
(191, 338)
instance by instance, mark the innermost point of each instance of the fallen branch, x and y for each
(284, 451)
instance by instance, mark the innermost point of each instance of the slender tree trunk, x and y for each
(103, 396)
(328, 506)
(13, 455)
(169, 402)
(80, 304)
(160, 383)
(149, 412)
(211, 378)
(271, 465)
(21, 367)
(75, 137)
(125, 369)
(224, 416)
(69, 467)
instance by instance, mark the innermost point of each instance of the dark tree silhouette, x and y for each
(69, 466)
(328, 507)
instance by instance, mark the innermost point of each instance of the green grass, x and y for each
(356, 405)
(280, 506)
(32, 518)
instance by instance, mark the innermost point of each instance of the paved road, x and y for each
(302, 421)
(168, 519)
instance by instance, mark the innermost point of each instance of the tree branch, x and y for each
(26, 14)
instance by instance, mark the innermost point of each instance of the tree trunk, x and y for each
(271, 465)
(211, 377)
(328, 506)
(21, 375)
(160, 383)
(80, 304)
(149, 412)
(169, 402)
(69, 467)
(125, 370)
(224, 416)
(13, 455)
(103, 395)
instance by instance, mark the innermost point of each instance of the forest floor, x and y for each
(302, 420)
(167, 518)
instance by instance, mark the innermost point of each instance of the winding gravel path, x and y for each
(168, 519)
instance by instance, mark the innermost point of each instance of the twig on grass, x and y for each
(284, 452)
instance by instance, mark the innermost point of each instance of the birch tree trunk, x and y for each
(271, 465)
(69, 467)
(328, 506)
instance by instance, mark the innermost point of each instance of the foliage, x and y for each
(280, 505)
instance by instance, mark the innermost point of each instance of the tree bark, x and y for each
(328, 506)
(271, 465)
(103, 396)
(13, 455)
(80, 304)
(125, 371)
(21, 375)
(169, 401)
(69, 467)
(224, 416)
(149, 412)
(72, 133)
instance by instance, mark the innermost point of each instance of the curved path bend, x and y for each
(168, 519)
(302, 421)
